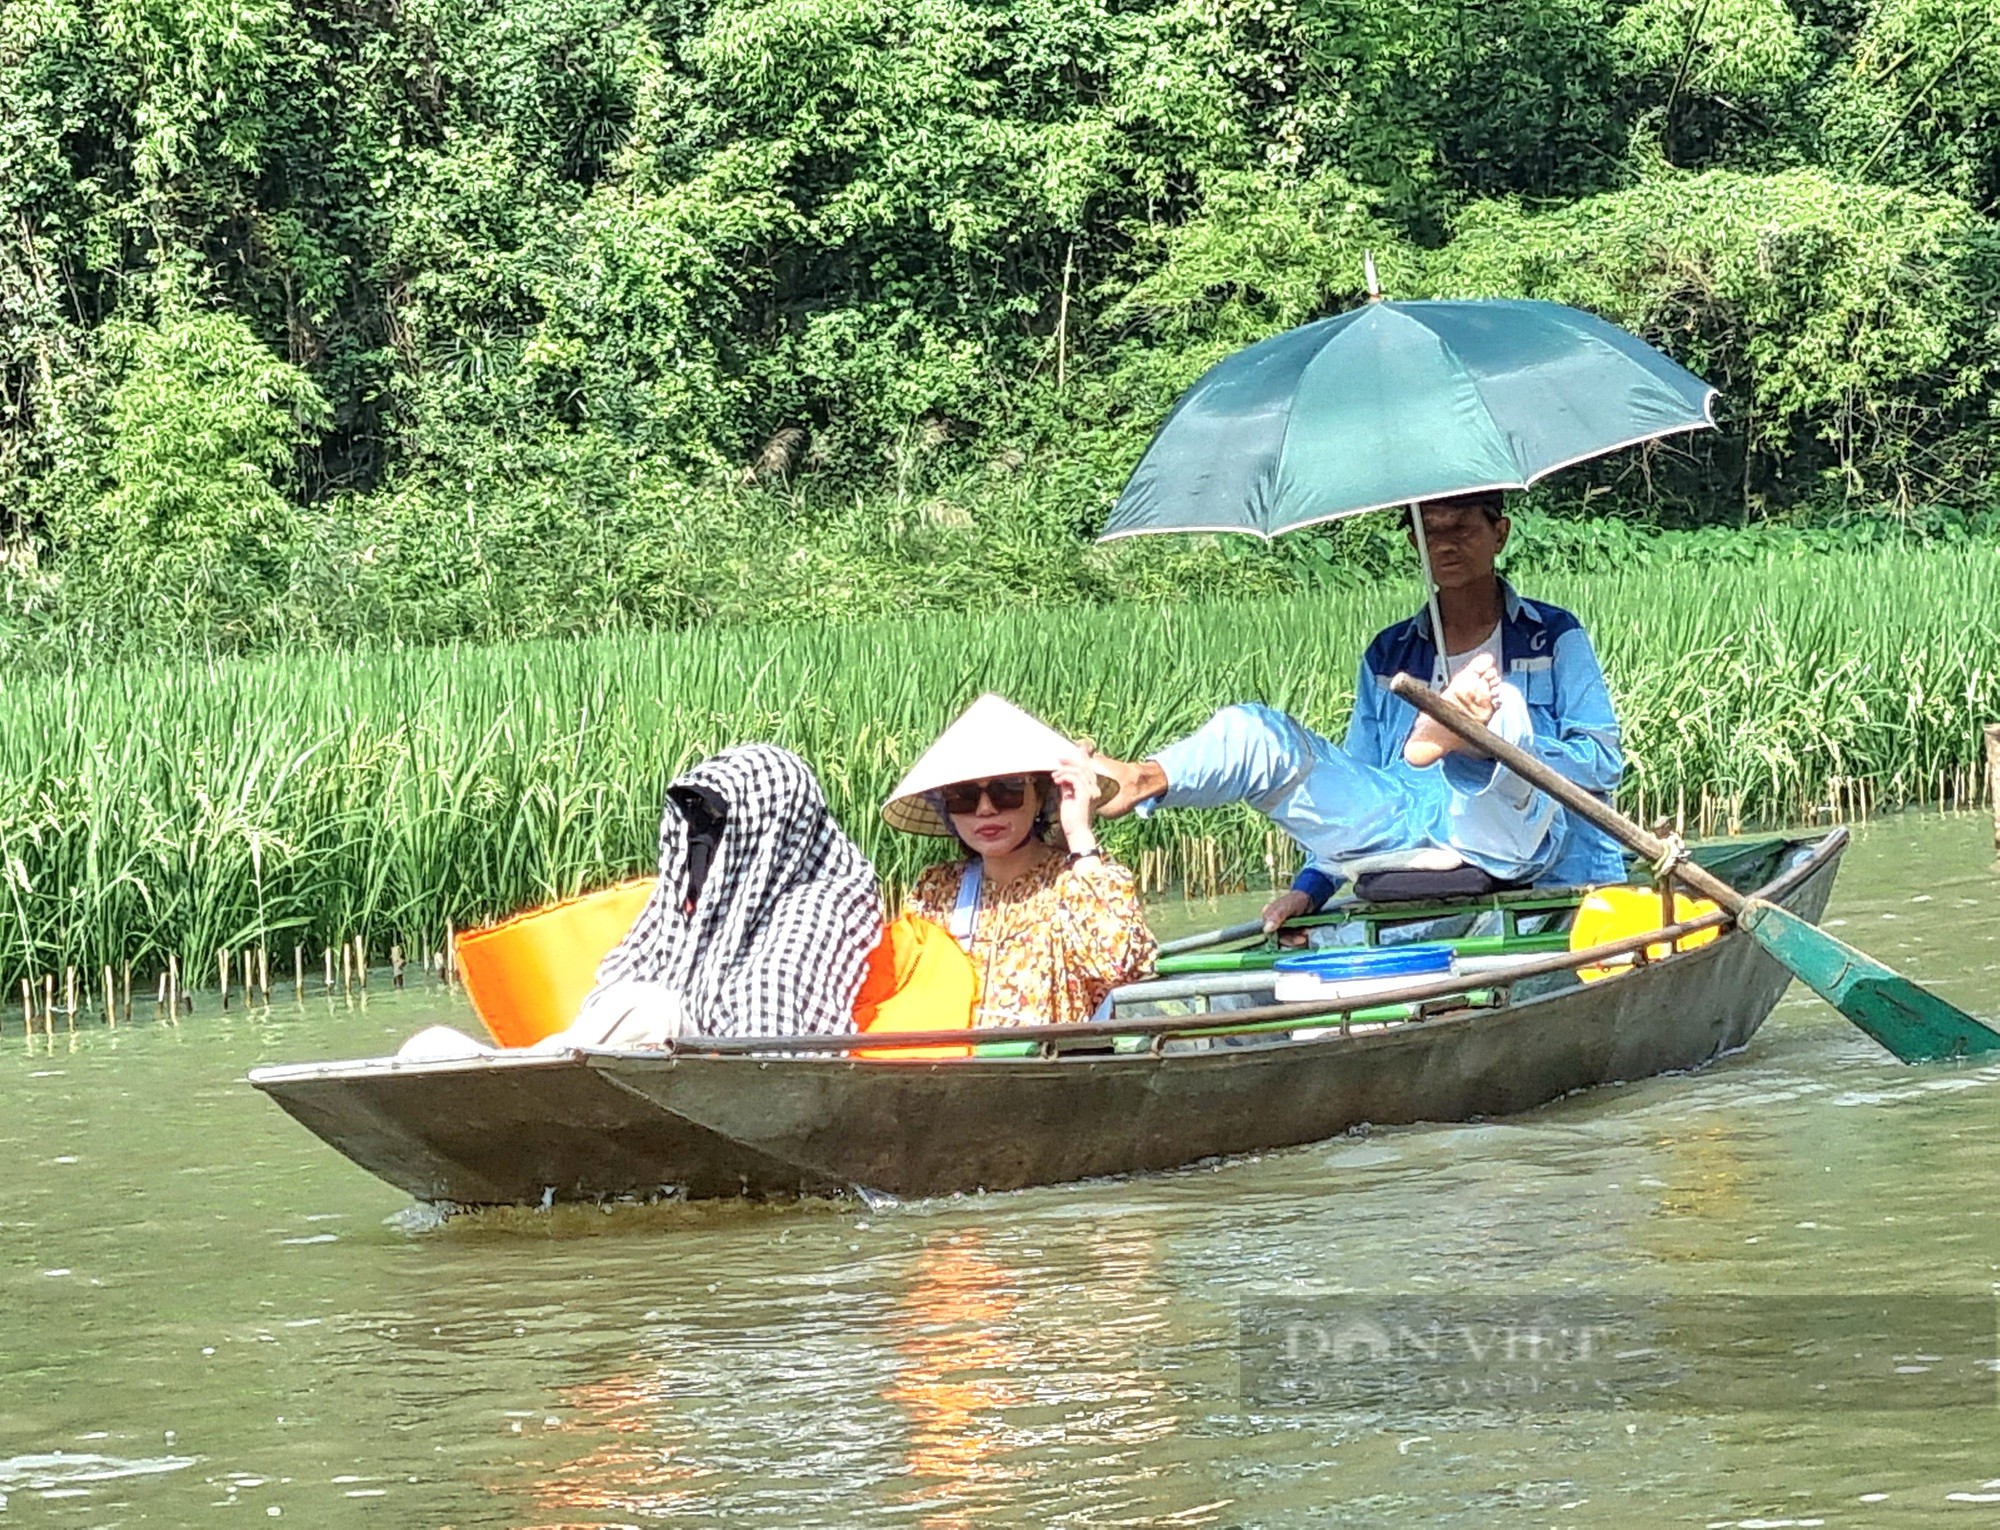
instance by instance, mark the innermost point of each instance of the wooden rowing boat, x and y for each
(802, 1116)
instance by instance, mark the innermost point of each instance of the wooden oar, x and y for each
(1912, 1022)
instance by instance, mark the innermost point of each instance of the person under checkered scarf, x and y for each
(763, 918)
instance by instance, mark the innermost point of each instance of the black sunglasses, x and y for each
(1006, 793)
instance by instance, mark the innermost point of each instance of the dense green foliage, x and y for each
(322, 322)
(297, 801)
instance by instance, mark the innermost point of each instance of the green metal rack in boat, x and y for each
(1544, 913)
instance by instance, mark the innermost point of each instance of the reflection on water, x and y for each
(955, 1328)
(640, 1470)
(209, 1316)
(1710, 1167)
(987, 1354)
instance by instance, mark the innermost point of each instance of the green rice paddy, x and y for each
(297, 802)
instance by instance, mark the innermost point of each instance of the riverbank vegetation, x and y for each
(149, 810)
(325, 324)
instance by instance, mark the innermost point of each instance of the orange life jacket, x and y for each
(528, 976)
(918, 979)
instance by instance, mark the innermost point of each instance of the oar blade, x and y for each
(1913, 1023)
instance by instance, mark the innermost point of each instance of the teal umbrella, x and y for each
(1396, 402)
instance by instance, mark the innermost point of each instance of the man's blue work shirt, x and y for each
(1547, 656)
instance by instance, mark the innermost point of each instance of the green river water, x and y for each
(208, 1318)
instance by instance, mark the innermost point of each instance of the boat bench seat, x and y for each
(1429, 886)
(1423, 875)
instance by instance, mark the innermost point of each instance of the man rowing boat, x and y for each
(1399, 784)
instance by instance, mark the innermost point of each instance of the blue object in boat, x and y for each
(1370, 962)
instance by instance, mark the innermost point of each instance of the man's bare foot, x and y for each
(1477, 690)
(1137, 781)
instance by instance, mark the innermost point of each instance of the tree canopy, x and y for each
(617, 306)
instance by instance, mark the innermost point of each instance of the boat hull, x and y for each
(591, 1126)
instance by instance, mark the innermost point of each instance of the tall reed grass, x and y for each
(298, 801)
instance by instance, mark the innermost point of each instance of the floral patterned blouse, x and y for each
(1050, 945)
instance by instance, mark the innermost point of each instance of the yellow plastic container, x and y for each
(1613, 913)
(527, 976)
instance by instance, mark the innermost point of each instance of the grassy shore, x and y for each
(295, 802)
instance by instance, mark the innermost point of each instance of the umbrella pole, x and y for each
(1442, 676)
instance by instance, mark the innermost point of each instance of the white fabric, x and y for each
(440, 1043)
(992, 737)
(1422, 858)
(1454, 663)
(621, 1016)
(625, 1013)
(779, 935)
(1503, 821)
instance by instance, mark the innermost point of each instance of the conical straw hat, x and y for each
(992, 737)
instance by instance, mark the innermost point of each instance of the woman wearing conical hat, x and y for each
(1051, 923)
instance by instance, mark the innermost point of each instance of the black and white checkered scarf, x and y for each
(770, 936)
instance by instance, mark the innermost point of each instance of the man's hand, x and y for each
(1287, 905)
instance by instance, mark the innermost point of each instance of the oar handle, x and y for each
(1450, 715)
